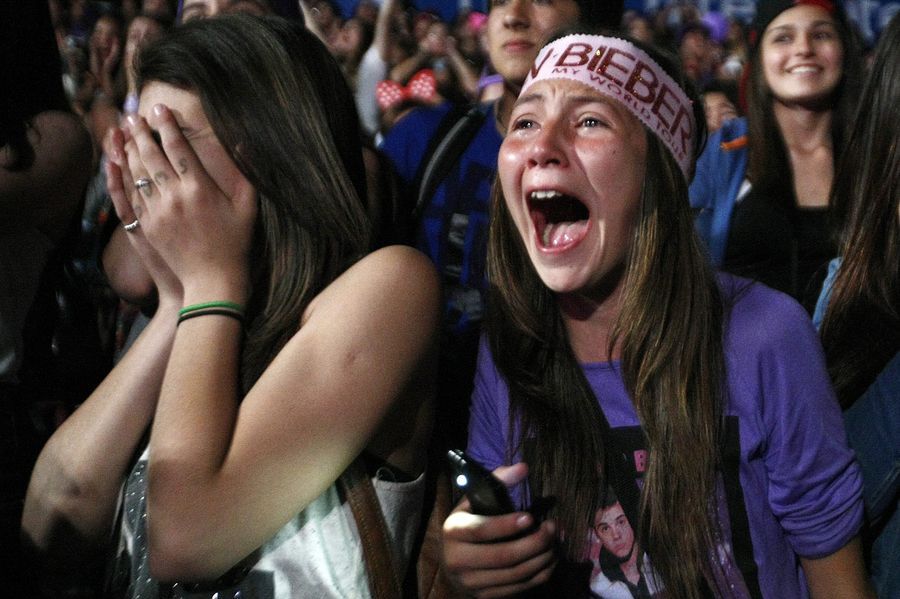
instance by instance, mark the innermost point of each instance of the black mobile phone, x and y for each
(487, 495)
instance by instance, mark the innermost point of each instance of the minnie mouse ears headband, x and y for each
(422, 87)
(620, 70)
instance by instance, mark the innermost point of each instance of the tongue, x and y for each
(561, 234)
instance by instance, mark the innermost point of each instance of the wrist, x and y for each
(216, 291)
(167, 311)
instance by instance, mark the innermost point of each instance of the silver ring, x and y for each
(142, 182)
(132, 226)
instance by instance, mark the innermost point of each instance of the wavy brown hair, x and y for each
(670, 330)
(861, 329)
(279, 104)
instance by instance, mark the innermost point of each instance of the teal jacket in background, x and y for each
(873, 431)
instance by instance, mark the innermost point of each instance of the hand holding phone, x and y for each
(487, 495)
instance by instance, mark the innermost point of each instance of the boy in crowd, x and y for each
(446, 159)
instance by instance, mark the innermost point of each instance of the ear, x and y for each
(241, 156)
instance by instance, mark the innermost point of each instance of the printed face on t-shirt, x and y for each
(614, 531)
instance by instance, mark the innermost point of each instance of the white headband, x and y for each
(620, 70)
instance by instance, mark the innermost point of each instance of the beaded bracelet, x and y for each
(230, 309)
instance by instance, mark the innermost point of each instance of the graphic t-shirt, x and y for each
(789, 485)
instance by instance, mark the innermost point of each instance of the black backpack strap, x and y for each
(453, 136)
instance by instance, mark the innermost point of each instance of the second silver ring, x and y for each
(142, 183)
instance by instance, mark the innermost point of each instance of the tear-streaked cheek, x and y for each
(509, 169)
(511, 157)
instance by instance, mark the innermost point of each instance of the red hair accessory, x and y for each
(422, 87)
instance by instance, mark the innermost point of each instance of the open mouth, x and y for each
(560, 220)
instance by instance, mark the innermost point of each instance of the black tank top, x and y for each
(780, 245)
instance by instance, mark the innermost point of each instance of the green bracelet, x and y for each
(221, 304)
(212, 311)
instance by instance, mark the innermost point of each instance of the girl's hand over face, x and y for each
(120, 184)
(198, 212)
(498, 556)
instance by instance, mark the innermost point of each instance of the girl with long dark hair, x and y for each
(615, 356)
(280, 353)
(860, 305)
(763, 182)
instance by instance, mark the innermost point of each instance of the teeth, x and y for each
(545, 194)
(804, 70)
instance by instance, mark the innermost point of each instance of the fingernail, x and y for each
(132, 119)
(523, 521)
(159, 109)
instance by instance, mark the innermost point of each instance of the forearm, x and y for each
(76, 480)
(382, 38)
(403, 71)
(191, 437)
(841, 575)
(107, 87)
(198, 402)
(464, 72)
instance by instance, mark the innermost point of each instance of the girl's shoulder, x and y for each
(762, 320)
(389, 280)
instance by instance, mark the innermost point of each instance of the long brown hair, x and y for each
(861, 329)
(670, 331)
(768, 159)
(279, 104)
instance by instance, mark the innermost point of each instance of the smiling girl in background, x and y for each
(763, 182)
(614, 356)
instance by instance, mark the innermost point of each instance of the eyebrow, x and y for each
(819, 23)
(585, 99)
(529, 98)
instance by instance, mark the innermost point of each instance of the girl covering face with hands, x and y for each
(615, 356)
(280, 353)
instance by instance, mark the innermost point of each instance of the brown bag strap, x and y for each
(431, 582)
(373, 535)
